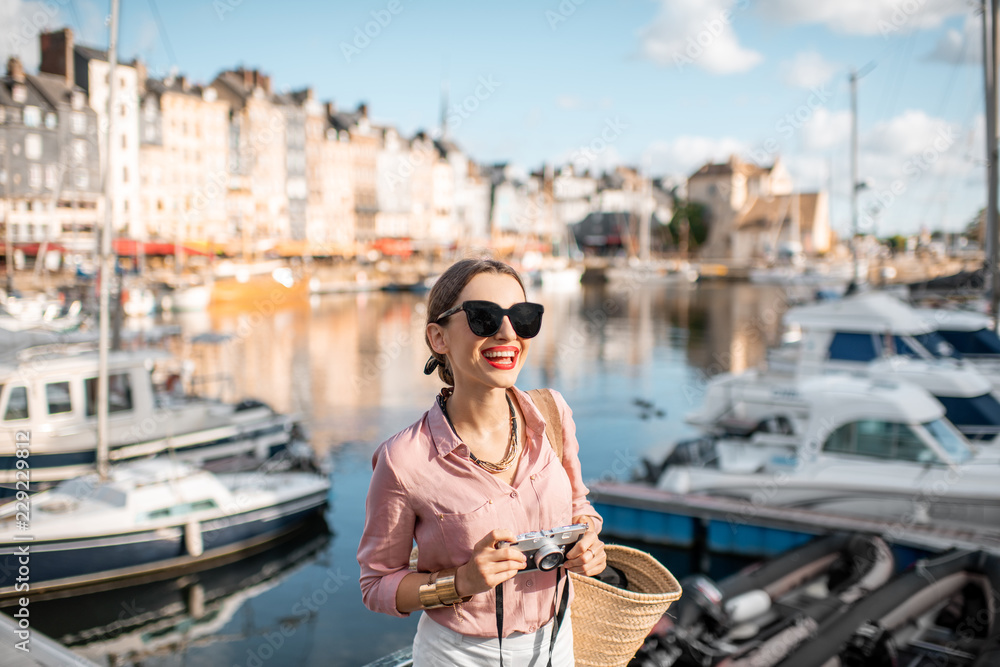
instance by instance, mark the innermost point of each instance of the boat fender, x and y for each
(870, 646)
(192, 538)
(747, 606)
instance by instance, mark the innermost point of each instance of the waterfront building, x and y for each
(336, 226)
(394, 170)
(314, 125)
(89, 69)
(49, 160)
(754, 212)
(363, 142)
(257, 200)
(296, 169)
(183, 154)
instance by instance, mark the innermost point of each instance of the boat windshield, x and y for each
(950, 440)
(979, 342)
(925, 346)
(975, 416)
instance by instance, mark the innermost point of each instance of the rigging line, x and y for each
(163, 32)
(76, 16)
(905, 63)
(954, 75)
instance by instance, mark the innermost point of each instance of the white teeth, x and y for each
(497, 354)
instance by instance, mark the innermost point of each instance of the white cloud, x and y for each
(697, 33)
(569, 102)
(807, 70)
(23, 21)
(958, 47)
(865, 17)
(825, 130)
(685, 154)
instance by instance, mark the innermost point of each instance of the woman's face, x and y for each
(491, 362)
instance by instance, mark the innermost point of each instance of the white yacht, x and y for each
(151, 515)
(50, 393)
(878, 335)
(843, 445)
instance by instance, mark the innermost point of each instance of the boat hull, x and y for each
(67, 563)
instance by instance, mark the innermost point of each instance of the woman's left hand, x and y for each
(587, 556)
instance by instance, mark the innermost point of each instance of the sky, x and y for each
(661, 85)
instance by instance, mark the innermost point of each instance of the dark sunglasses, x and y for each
(486, 318)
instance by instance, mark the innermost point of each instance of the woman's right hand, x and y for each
(489, 565)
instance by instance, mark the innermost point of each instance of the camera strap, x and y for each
(561, 604)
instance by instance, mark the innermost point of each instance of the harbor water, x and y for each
(630, 358)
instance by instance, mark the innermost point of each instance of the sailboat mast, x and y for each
(854, 173)
(107, 259)
(990, 84)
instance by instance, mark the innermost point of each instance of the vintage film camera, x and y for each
(546, 549)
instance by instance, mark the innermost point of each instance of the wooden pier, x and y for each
(727, 525)
(42, 651)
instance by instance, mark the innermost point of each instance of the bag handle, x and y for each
(546, 404)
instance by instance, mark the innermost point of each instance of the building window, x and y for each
(77, 100)
(79, 122)
(33, 147)
(35, 176)
(32, 116)
(82, 179)
(125, 175)
(19, 93)
(50, 121)
(124, 142)
(50, 176)
(79, 151)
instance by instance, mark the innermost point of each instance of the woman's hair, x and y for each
(445, 293)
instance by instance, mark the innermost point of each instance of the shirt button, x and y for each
(529, 583)
(531, 628)
(533, 477)
(513, 494)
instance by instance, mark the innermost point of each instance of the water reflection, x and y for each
(631, 360)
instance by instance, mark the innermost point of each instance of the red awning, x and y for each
(393, 247)
(31, 249)
(131, 248)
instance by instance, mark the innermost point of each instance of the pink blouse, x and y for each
(425, 487)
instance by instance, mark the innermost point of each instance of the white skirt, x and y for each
(437, 646)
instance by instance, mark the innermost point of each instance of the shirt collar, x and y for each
(445, 440)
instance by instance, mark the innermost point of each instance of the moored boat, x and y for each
(146, 516)
(50, 392)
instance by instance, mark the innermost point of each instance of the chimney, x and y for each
(331, 108)
(184, 84)
(363, 110)
(57, 54)
(140, 75)
(15, 69)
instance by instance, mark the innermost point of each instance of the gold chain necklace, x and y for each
(512, 444)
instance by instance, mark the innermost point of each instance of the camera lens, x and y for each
(549, 557)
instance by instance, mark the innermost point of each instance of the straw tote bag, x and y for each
(610, 623)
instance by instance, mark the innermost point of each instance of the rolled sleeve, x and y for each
(387, 539)
(571, 463)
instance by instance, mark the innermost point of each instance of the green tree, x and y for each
(694, 217)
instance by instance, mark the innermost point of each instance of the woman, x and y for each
(474, 472)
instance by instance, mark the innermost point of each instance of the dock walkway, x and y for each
(42, 651)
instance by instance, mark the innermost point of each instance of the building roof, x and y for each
(765, 212)
(33, 97)
(53, 87)
(734, 165)
(90, 53)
